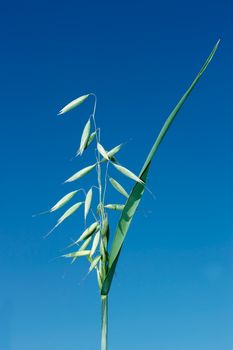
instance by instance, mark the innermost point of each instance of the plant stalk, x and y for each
(104, 322)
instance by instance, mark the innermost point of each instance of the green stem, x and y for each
(104, 298)
(104, 322)
(98, 163)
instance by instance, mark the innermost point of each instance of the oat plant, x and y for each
(93, 242)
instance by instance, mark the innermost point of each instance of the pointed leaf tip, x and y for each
(137, 191)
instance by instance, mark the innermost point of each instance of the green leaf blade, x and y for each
(138, 189)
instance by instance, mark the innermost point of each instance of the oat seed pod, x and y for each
(73, 104)
(115, 150)
(94, 263)
(118, 187)
(63, 201)
(102, 151)
(88, 232)
(127, 173)
(85, 137)
(95, 243)
(114, 206)
(81, 173)
(77, 254)
(68, 213)
(87, 203)
(89, 141)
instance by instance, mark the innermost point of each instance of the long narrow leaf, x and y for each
(138, 189)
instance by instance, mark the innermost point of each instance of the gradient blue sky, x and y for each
(173, 289)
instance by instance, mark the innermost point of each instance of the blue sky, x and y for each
(173, 289)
